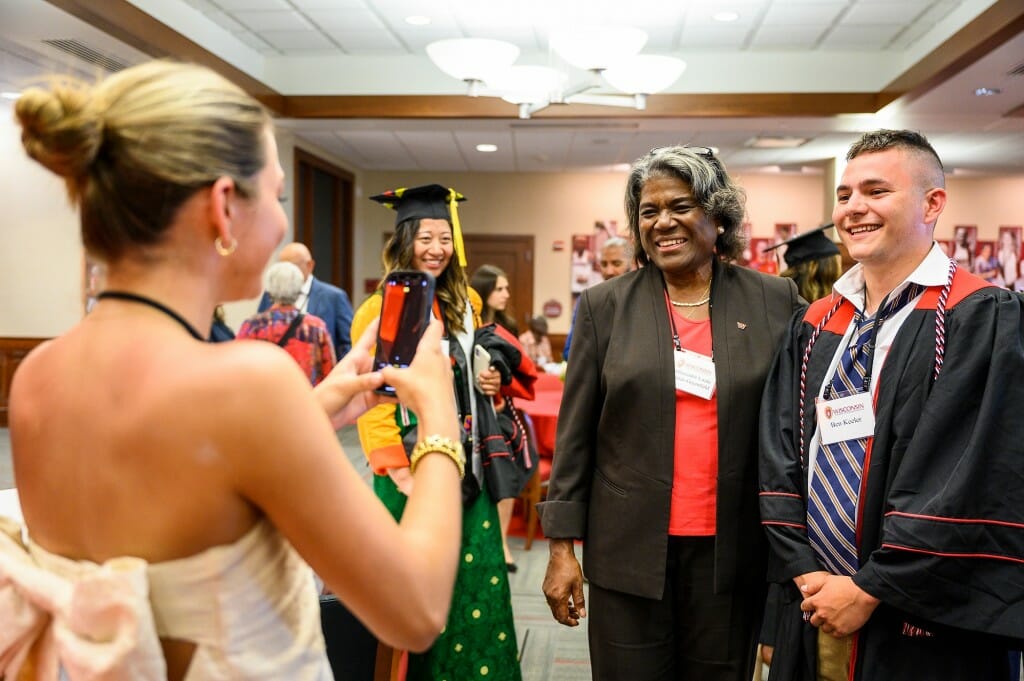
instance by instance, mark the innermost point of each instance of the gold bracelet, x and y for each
(436, 444)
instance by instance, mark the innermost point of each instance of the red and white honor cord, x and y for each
(940, 344)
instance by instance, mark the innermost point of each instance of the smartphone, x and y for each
(404, 317)
(481, 362)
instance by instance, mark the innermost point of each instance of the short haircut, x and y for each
(284, 283)
(619, 242)
(720, 198)
(913, 143)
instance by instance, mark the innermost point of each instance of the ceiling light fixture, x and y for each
(987, 92)
(487, 148)
(607, 54)
(472, 60)
(417, 20)
(726, 15)
(775, 142)
(10, 95)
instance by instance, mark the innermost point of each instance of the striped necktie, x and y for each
(838, 467)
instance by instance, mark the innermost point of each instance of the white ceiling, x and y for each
(365, 47)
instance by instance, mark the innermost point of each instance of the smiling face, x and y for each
(433, 246)
(678, 237)
(883, 214)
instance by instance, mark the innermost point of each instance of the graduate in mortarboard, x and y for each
(812, 261)
(479, 639)
(892, 449)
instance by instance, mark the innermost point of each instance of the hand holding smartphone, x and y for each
(404, 316)
(481, 363)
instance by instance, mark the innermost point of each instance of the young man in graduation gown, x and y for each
(892, 454)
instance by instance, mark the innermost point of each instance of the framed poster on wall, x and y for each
(965, 245)
(1009, 255)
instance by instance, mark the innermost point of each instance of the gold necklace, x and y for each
(697, 303)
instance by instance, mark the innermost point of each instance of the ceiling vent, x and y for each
(86, 54)
(1017, 70)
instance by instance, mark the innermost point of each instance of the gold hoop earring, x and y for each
(223, 250)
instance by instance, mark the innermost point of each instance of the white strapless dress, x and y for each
(250, 607)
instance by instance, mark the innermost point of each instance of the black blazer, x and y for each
(611, 481)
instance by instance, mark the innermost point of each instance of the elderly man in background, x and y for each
(319, 298)
(615, 258)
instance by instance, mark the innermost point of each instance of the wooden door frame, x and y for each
(343, 214)
(523, 245)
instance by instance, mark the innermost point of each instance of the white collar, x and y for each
(933, 270)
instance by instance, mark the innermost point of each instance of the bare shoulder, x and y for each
(32, 371)
(252, 375)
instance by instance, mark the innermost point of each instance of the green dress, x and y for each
(479, 641)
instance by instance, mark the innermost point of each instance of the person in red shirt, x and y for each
(304, 336)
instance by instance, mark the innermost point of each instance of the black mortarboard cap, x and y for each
(428, 201)
(811, 245)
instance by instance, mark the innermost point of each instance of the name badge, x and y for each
(444, 347)
(845, 418)
(695, 373)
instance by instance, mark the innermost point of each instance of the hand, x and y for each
(402, 477)
(347, 391)
(489, 381)
(838, 606)
(426, 386)
(563, 584)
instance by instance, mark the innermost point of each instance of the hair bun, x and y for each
(58, 129)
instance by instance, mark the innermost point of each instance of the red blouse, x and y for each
(695, 477)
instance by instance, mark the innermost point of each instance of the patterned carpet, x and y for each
(548, 650)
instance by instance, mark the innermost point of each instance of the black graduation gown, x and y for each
(941, 515)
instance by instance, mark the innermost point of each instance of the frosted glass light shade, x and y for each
(527, 84)
(597, 47)
(472, 58)
(644, 73)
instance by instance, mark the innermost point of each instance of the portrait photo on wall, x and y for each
(604, 230)
(747, 256)
(965, 244)
(784, 231)
(1009, 256)
(762, 260)
(582, 265)
(985, 264)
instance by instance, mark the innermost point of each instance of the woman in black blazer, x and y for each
(656, 455)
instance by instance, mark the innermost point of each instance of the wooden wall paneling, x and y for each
(12, 351)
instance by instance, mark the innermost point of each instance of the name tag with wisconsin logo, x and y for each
(695, 373)
(845, 418)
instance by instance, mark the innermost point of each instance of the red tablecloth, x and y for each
(543, 411)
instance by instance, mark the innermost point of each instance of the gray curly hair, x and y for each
(284, 283)
(720, 198)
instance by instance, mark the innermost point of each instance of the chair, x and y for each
(536, 489)
(388, 666)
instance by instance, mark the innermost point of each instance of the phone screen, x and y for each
(404, 316)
